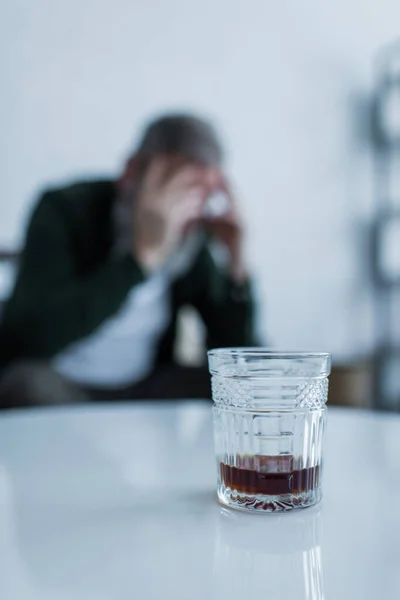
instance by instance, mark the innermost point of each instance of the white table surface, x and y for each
(119, 502)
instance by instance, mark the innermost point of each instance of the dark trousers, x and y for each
(32, 383)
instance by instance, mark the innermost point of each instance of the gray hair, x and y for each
(184, 135)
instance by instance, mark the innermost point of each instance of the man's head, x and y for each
(180, 137)
(168, 183)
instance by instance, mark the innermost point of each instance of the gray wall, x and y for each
(287, 83)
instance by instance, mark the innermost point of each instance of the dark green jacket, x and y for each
(69, 282)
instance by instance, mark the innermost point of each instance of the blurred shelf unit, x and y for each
(385, 257)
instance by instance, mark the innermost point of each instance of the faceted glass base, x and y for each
(267, 503)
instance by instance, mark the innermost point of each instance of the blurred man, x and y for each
(107, 266)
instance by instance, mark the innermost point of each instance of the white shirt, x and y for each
(122, 350)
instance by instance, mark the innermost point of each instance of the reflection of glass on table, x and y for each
(277, 558)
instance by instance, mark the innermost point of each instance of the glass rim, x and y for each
(265, 352)
(263, 362)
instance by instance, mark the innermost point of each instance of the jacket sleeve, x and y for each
(52, 306)
(226, 308)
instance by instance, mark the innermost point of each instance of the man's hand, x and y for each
(228, 228)
(170, 199)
